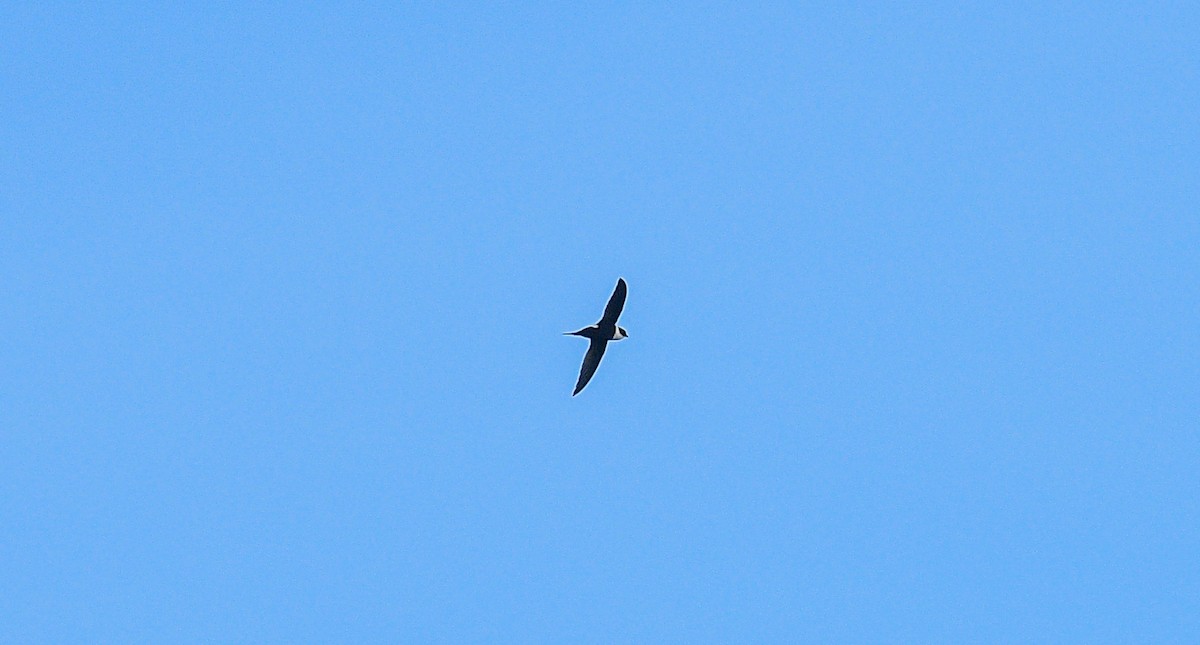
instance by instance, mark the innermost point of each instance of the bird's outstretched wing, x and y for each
(615, 303)
(591, 361)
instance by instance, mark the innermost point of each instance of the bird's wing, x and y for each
(591, 361)
(615, 303)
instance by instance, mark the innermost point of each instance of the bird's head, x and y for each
(621, 333)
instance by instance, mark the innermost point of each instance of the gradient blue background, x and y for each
(914, 308)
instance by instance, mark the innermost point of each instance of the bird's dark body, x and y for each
(599, 331)
(600, 334)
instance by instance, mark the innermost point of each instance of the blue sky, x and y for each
(913, 308)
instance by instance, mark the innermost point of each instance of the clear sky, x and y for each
(914, 306)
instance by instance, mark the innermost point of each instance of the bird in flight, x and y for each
(600, 333)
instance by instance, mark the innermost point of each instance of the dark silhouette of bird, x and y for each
(600, 333)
